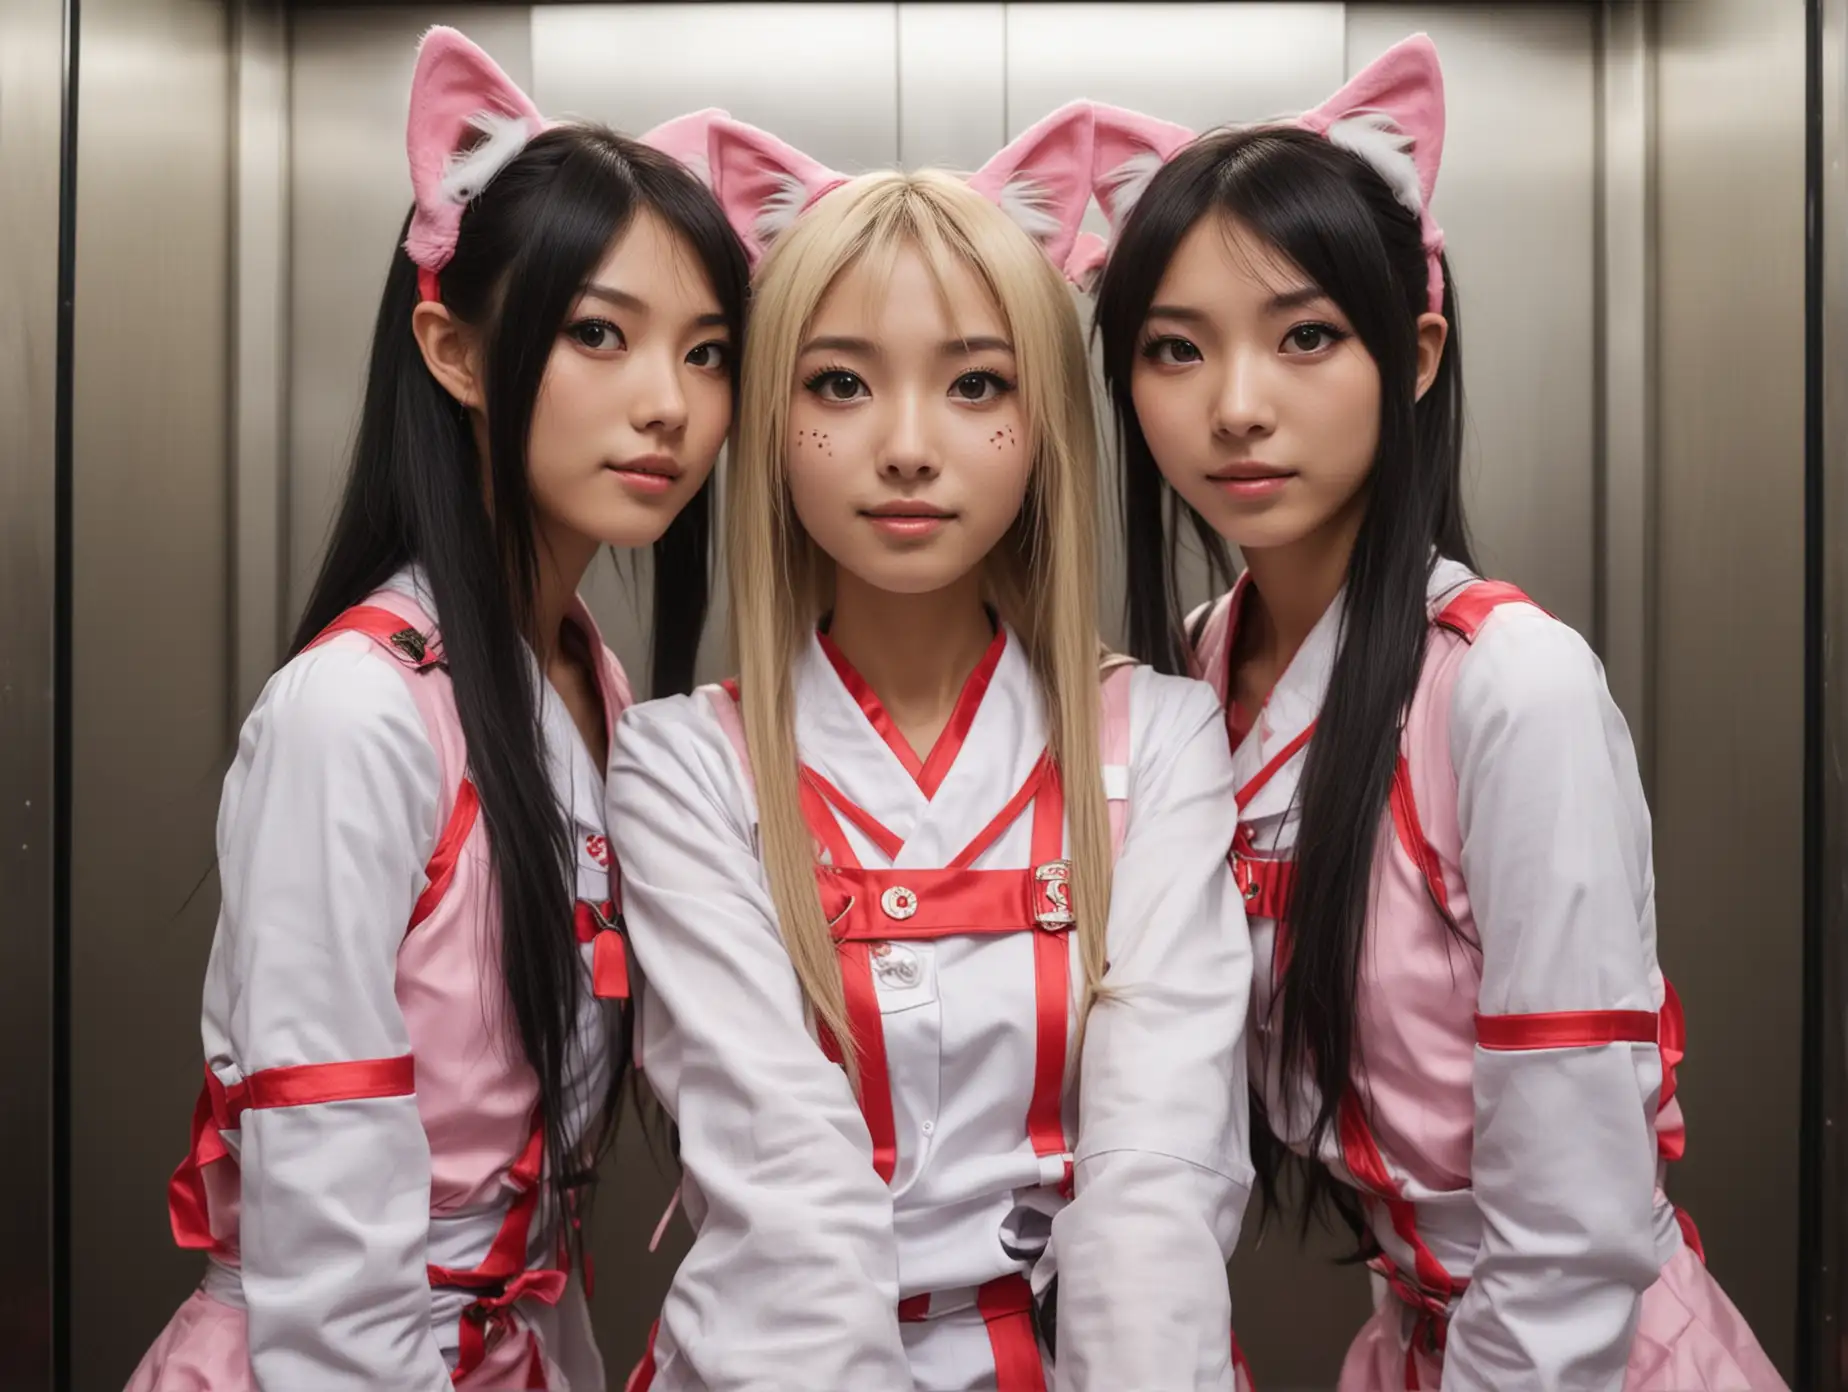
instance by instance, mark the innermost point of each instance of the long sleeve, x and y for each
(327, 819)
(792, 1280)
(1163, 1162)
(1556, 856)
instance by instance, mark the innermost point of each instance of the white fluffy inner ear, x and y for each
(470, 171)
(1373, 136)
(780, 209)
(1124, 186)
(1030, 206)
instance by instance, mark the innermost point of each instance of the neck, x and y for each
(914, 650)
(1294, 584)
(562, 559)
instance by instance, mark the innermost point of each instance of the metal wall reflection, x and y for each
(32, 94)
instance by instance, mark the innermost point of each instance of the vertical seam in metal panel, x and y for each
(1813, 1367)
(898, 80)
(1600, 347)
(61, 707)
(285, 353)
(237, 20)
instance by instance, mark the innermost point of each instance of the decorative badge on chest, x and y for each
(899, 902)
(1054, 903)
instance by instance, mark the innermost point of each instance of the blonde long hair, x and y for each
(1042, 576)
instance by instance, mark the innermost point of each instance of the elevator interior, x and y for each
(1626, 193)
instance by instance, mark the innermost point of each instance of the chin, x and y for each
(629, 529)
(917, 574)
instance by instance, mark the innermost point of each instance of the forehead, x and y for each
(656, 264)
(1222, 261)
(898, 292)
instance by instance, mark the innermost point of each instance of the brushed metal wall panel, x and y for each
(1730, 184)
(150, 640)
(1517, 201)
(32, 35)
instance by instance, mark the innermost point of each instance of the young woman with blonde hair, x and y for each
(1028, 938)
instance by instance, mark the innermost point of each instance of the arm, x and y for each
(792, 1280)
(1556, 856)
(1163, 1165)
(327, 818)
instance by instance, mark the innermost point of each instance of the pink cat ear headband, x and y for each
(1391, 114)
(468, 121)
(1042, 179)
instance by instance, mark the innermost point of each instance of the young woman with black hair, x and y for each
(1461, 1041)
(413, 1024)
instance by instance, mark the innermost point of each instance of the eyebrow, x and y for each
(1278, 303)
(622, 299)
(866, 348)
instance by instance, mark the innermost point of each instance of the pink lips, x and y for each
(652, 473)
(1251, 480)
(910, 521)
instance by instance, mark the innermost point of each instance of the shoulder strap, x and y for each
(723, 698)
(400, 628)
(1463, 615)
(1113, 745)
(1469, 610)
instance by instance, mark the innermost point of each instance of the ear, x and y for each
(448, 350)
(467, 120)
(1042, 179)
(762, 184)
(685, 138)
(1129, 149)
(1405, 85)
(1433, 339)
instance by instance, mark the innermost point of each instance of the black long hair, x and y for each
(1337, 220)
(526, 247)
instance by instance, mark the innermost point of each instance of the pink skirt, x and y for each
(1689, 1338)
(206, 1348)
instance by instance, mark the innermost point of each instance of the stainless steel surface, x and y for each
(31, 123)
(1727, 649)
(259, 540)
(150, 629)
(1827, 1348)
(952, 84)
(1625, 296)
(349, 84)
(1516, 199)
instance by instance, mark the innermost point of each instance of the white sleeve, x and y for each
(1556, 856)
(1163, 1164)
(327, 821)
(792, 1280)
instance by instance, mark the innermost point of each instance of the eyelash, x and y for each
(576, 331)
(1332, 335)
(815, 380)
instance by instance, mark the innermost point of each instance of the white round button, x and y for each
(929, 1128)
(899, 902)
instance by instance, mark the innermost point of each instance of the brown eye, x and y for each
(1170, 351)
(598, 335)
(1312, 338)
(979, 388)
(836, 384)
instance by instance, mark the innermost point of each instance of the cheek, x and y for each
(1173, 429)
(1349, 412)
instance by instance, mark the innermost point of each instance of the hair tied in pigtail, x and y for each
(468, 121)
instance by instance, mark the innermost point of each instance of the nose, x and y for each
(907, 453)
(657, 404)
(1244, 408)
